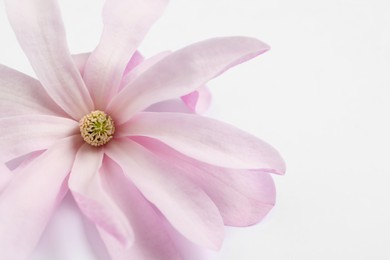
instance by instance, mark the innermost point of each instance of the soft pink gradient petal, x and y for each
(18, 164)
(23, 95)
(142, 67)
(206, 140)
(81, 59)
(85, 182)
(20, 135)
(28, 201)
(125, 25)
(5, 176)
(135, 60)
(243, 197)
(151, 240)
(183, 72)
(185, 205)
(40, 32)
(198, 101)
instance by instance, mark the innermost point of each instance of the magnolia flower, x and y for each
(82, 128)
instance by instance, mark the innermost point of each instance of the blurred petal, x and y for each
(5, 176)
(185, 205)
(151, 239)
(198, 101)
(206, 140)
(125, 25)
(243, 197)
(24, 134)
(23, 95)
(183, 72)
(30, 198)
(40, 32)
(85, 182)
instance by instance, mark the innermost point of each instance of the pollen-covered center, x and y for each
(97, 128)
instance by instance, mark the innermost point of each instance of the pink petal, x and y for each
(85, 182)
(151, 239)
(206, 140)
(125, 25)
(198, 101)
(23, 95)
(15, 166)
(24, 134)
(243, 197)
(30, 198)
(39, 29)
(183, 72)
(5, 176)
(142, 67)
(185, 205)
(135, 60)
(81, 59)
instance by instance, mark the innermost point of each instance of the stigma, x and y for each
(97, 128)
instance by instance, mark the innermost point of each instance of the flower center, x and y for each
(97, 128)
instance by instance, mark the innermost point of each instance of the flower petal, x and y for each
(206, 140)
(151, 239)
(30, 198)
(85, 182)
(40, 32)
(24, 134)
(142, 67)
(198, 101)
(125, 25)
(23, 95)
(243, 197)
(183, 72)
(185, 205)
(135, 60)
(5, 176)
(81, 59)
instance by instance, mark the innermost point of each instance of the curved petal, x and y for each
(125, 25)
(23, 95)
(81, 59)
(30, 198)
(40, 32)
(183, 72)
(151, 240)
(5, 176)
(86, 186)
(135, 60)
(23, 134)
(15, 166)
(243, 197)
(185, 205)
(142, 67)
(198, 101)
(206, 140)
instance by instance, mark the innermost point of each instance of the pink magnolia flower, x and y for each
(82, 128)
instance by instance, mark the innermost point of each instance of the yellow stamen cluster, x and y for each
(97, 128)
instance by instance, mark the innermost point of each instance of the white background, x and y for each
(321, 96)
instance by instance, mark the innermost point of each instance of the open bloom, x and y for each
(82, 128)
